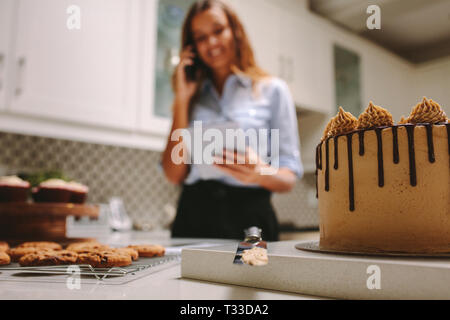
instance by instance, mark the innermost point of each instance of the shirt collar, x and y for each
(243, 80)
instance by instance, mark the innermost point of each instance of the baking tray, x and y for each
(88, 274)
(313, 246)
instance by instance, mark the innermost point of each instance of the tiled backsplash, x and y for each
(131, 174)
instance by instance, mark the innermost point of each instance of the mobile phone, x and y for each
(192, 70)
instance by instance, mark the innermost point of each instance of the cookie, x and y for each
(104, 259)
(3, 246)
(49, 258)
(86, 247)
(17, 253)
(41, 244)
(149, 250)
(82, 242)
(4, 258)
(134, 254)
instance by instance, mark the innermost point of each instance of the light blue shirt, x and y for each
(271, 107)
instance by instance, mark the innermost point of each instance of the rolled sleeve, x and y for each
(284, 118)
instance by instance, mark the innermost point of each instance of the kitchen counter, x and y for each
(166, 284)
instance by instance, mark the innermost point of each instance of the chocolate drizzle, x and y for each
(395, 144)
(430, 143)
(380, 157)
(448, 136)
(351, 185)
(317, 188)
(412, 155)
(336, 164)
(319, 159)
(318, 167)
(361, 142)
(378, 131)
(327, 166)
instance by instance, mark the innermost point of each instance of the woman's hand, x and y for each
(185, 89)
(246, 168)
(251, 169)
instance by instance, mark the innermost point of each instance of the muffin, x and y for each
(79, 192)
(52, 190)
(13, 189)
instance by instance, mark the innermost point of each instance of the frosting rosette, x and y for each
(402, 120)
(327, 130)
(427, 111)
(375, 116)
(343, 122)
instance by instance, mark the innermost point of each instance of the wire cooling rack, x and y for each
(88, 274)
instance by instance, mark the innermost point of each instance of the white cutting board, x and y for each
(325, 275)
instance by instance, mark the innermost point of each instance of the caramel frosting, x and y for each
(343, 122)
(402, 120)
(327, 130)
(255, 256)
(375, 116)
(428, 111)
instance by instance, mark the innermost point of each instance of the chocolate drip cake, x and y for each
(385, 187)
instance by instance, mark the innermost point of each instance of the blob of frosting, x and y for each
(13, 181)
(327, 130)
(403, 120)
(343, 122)
(375, 116)
(427, 111)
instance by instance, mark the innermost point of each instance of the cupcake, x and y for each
(79, 192)
(52, 190)
(13, 189)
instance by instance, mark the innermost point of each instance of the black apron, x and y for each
(211, 209)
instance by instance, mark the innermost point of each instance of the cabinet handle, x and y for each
(20, 73)
(2, 66)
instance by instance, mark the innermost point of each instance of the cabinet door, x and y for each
(298, 49)
(261, 21)
(307, 52)
(6, 15)
(86, 75)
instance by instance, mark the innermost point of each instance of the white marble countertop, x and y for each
(166, 284)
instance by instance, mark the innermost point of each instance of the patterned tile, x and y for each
(131, 174)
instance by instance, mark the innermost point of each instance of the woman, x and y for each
(217, 80)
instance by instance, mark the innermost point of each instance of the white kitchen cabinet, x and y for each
(324, 85)
(309, 62)
(261, 20)
(286, 44)
(6, 14)
(87, 75)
